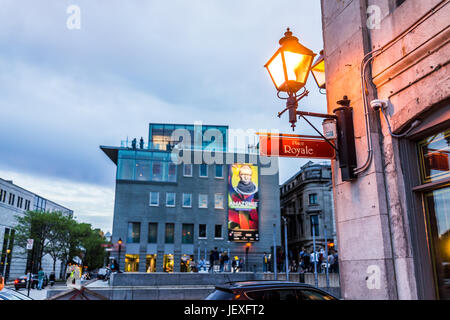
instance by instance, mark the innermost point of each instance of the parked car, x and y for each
(268, 291)
(20, 282)
(8, 294)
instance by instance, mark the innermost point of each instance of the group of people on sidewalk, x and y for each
(306, 261)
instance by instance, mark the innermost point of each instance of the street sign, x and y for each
(295, 146)
(30, 244)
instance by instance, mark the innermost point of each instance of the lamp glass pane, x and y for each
(319, 73)
(297, 66)
(276, 70)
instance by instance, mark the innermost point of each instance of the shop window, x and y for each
(203, 201)
(218, 201)
(187, 200)
(150, 263)
(168, 263)
(131, 263)
(134, 232)
(187, 235)
(154, 199)
(170, 199)
(170, 233)
(186, 263)
(434, 168)
(152, 233)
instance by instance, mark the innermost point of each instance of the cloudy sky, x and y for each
(64, 92)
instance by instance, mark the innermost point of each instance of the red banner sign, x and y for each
(295, 147)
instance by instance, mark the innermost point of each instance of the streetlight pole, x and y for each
(274, 251)
(315, 254)
(120, 247)
(326, 255)
(286, 248)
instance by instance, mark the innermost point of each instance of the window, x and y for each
(172, 173)
(150, 263)
(202, 230)
(2, 195)
(143, 170)
(170, 199)
(314, 219)
(131, 263)
(273, 295)
(398, 3)
(27, 204)
(218, 231)
(134, 232)
(203, 168)
(152, 233)
(218, 201)
(187, 236)
(313, 198)
(203, 200)
(314, 295)
(187, 200)
(19, 202)
(219, 171)
(157, 171)
(170, 233)
(154, 199)
(11, 199)
(187, 170)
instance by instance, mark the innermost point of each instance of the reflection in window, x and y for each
(187, 200)
(203, 200)
(437, 204)
(170, 233)
(134, 232)
(157, 171)
(154, 199)
(172, 172)
(152, 233)
(170, 199)
(218, 201)
(434, 157)
(142, 170)
(313, 198)
(203, 168)
(187, 235)
(187, 170)
(125, 169)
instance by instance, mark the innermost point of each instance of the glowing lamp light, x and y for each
(289, 67)
(318, 71)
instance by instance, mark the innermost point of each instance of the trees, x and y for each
(61, 237)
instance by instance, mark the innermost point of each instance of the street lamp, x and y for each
(119, 242)
(318, 71)
(289, 69)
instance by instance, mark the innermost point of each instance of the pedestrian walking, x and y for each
(51, 278)
(226, 261)
(265, 262)
(216, 259)
(41, 275)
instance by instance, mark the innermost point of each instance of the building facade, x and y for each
(14, 201)
(393, 219)
(307, 204)
(171, 211)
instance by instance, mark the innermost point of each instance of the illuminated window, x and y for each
(150, 263)
(168, 263)
(131, 263)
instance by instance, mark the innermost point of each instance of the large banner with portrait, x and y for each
(243, 203)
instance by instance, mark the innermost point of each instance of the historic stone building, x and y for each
(307, 203)
(393, 219)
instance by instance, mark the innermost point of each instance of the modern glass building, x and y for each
(177, 198)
